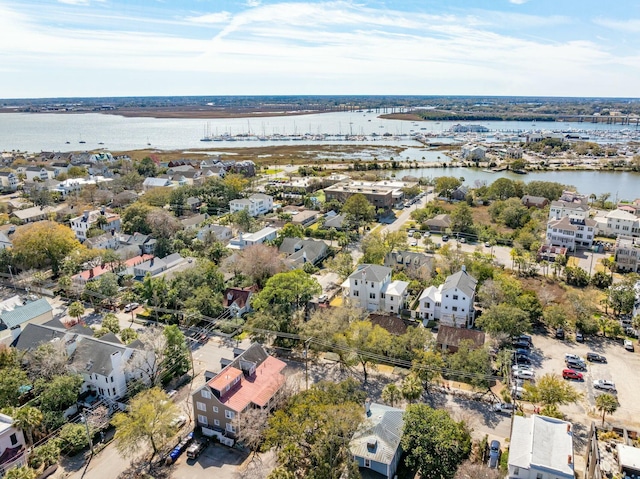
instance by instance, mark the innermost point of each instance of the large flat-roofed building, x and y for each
(381, 194)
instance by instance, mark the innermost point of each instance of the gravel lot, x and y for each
(622, 367)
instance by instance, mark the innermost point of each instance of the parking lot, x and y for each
(216, 461)
(622, 367)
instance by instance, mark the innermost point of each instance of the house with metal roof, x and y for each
(376, 443)
(541, 447)
(37, 312)
(451, 303)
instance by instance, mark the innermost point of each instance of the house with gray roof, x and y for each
(370, 287)
(151, 183)
(439, 223)
(334, 221)
(194, 222)
(155, 266)
(376, 443)
(300, 251)
(219, 232)
(451, 303)
(541, 446)
(408, 261)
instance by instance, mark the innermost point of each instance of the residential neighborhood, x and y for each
(251, 316)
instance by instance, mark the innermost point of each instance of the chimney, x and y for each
(85, 215)
(367, 407)
(568, 428)
(569, 459)
(464, 268)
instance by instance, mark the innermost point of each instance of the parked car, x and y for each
(573, 364)
(604, 385)
(522, 359)
(494, 454)
(573, 357)
(445, 238)
(462, 240)
(487, 244)
(629, 331)
(413, 242)
(572, 374)
(596, 358)
(523, 374)
(520, 367)
(559, 333)
(178, 422)
(579, 337)
(130, 307)
(503, 407)
(196, 448)
(522, 352)
(517, 392)
(628, 345)
(524, 338)
(521, 345)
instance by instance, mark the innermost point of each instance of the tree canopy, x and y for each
(358, 210)
(290, 290)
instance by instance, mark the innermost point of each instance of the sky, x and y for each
(92, 48)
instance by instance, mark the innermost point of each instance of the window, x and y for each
(230, 427)
(205, 394)
(382, 296)
(14, 439)
(372, 295)
(216, 422)
(356, 282)
(427, 305)
(454, 308)
(111, 378)
(367, 463)
(229, 414)
(391, 308)
(215, 408)
(201, 406)
(516, 471)
(356, 293)
(202, 420)
(114, 391)
(455, 296)
(539, 475)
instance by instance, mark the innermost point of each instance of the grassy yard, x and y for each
(272, 171)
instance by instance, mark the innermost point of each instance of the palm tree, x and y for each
(391, 394)
(607, 404)
(76, 309)
(26, 418)
(411, 388)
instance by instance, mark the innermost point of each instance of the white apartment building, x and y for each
(569, 204)
(370, 287)
(256, 204)
(627, 254)
(451, 303)
(619, 222)
(571, 232)
(245, 240)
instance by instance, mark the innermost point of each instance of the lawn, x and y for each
(272, 171)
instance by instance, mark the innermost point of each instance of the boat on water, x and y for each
(207, 133)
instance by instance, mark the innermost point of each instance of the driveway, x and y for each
(216, 461)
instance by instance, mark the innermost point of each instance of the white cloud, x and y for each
(79, 2)
(211, 18)
(253, 3)
(518, 2)
(630, 26)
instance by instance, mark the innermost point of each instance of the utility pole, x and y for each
(86, 426)
(306, 363)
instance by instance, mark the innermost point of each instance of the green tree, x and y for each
(11, 380)
(46, 455)
(435, 444)
(111, 323)
(461, 218)
(147, 167)
(607, 404)
(43, 244)
(243, 220)
(601, 280)
(446, 185)
(391, 394)
(552, 391)
(128, 335)
(505, 319)
(555, 316)
(73, 438)
(373, 249)
(411, 388)
(428, 366)
(503, 188)
(622, 297)
(364, 339)
(134, 218)
(21, 472)
(176, 356)
(59, 393)
(27, 418)
(358, 211)
(471, 365)
(76, 310)
(148, 422)
(312, 433)
(341, 264)
(290, 230)
(291, 290)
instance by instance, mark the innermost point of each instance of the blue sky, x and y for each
(260, 47)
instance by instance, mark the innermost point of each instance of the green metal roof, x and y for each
(22, 314)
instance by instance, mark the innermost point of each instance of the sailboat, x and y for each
(207, 133)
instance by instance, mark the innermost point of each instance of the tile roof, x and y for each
(99, 270)
(239, 296)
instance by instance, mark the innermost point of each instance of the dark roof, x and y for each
(371, 272)
(298, 249)
(451, 336)
(393, 324)
(407, 259)
(79, 329)
(111, 338)
(94, 356)
(334, 222)
(33, 335)
(239, 296)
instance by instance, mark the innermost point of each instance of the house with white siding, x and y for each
(451, 303)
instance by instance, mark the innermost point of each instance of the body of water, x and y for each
(622, 185)
(64, 132)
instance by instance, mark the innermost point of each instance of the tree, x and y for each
(290, 230)
(11, 380)
(471, 365)
(373, 249)
(461, 218)
(411, 387)
(428, 366)
(363, 339)
(607, 404)
(289, 290)
(176, 355)
(358, 210)
(258, 263)
(27, 418)
(134, 218)
(435, 444)
(329, 322)
(243, 220)
(622, 297)
(43, 244)
(601, 280)
(128, 335)
(552, 391)
(60, 392)
(76, 310)
(341, 264)
(312, 433)
(446, 185)
(47, 360)
(147, 167)
(162, 223)
(111, 323)
(46, 455)
(391, 394)
(148, 422)
(21, 472)
(505, 319)
(576, 276)
(73, 438)
(555, 316)
(477, 470)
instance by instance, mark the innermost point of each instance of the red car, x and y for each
(572, 374)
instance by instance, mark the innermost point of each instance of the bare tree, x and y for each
(475, 470)
(250, 427)
(163, 223)
(146, 361)
(47, 360)
(258, 262)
